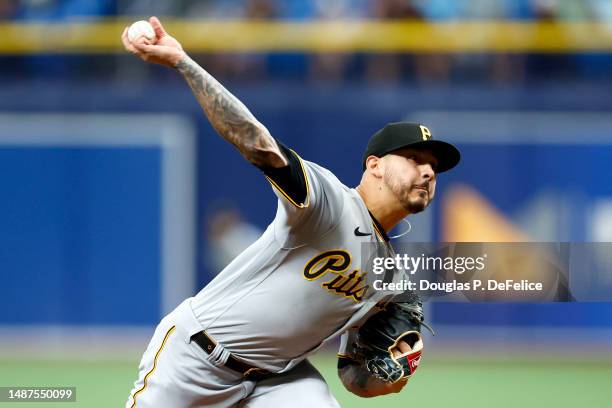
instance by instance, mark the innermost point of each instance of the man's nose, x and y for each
(427, 171)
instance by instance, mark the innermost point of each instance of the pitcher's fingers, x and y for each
(126, 42)
(148, 51)
(160, 32)
(124, 38)
(142, 42)
(142, 46)
(401, 349)
(404, 347)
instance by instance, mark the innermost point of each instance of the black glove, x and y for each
(382, 332)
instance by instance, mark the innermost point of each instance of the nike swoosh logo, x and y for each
(361, 234)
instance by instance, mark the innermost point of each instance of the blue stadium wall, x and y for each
(329, 125)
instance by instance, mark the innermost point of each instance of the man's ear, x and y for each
(375, 166)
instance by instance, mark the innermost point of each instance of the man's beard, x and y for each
(412, 205)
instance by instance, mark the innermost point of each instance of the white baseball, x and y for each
(139, 29)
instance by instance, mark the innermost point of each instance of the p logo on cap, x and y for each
(399, 135)
(425, 132)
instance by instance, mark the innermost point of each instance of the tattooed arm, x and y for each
(230, 118)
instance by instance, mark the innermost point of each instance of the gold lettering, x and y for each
(425, 132)
(349, 286)
(336, 261)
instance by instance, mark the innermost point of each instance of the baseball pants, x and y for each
(176, 372)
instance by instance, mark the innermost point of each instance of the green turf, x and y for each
(474, 384)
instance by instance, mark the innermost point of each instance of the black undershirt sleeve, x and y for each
(291, 178)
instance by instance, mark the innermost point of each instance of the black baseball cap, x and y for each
(414, 135)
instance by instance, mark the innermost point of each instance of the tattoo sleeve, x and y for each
(230, 118)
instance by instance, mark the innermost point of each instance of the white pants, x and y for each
(175, 372)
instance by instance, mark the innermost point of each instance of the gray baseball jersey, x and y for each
(298, 286)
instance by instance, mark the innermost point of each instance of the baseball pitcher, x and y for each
(244, 339)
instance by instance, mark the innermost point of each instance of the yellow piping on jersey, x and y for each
(144, 385)
(307, 200)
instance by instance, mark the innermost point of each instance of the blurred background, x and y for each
(119, 200)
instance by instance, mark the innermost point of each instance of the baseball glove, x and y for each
(380, 335)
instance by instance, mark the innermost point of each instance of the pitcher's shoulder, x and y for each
(322, 172)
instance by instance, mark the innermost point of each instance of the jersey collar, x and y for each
(379, 229)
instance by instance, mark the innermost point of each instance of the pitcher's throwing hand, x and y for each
(166, 50)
